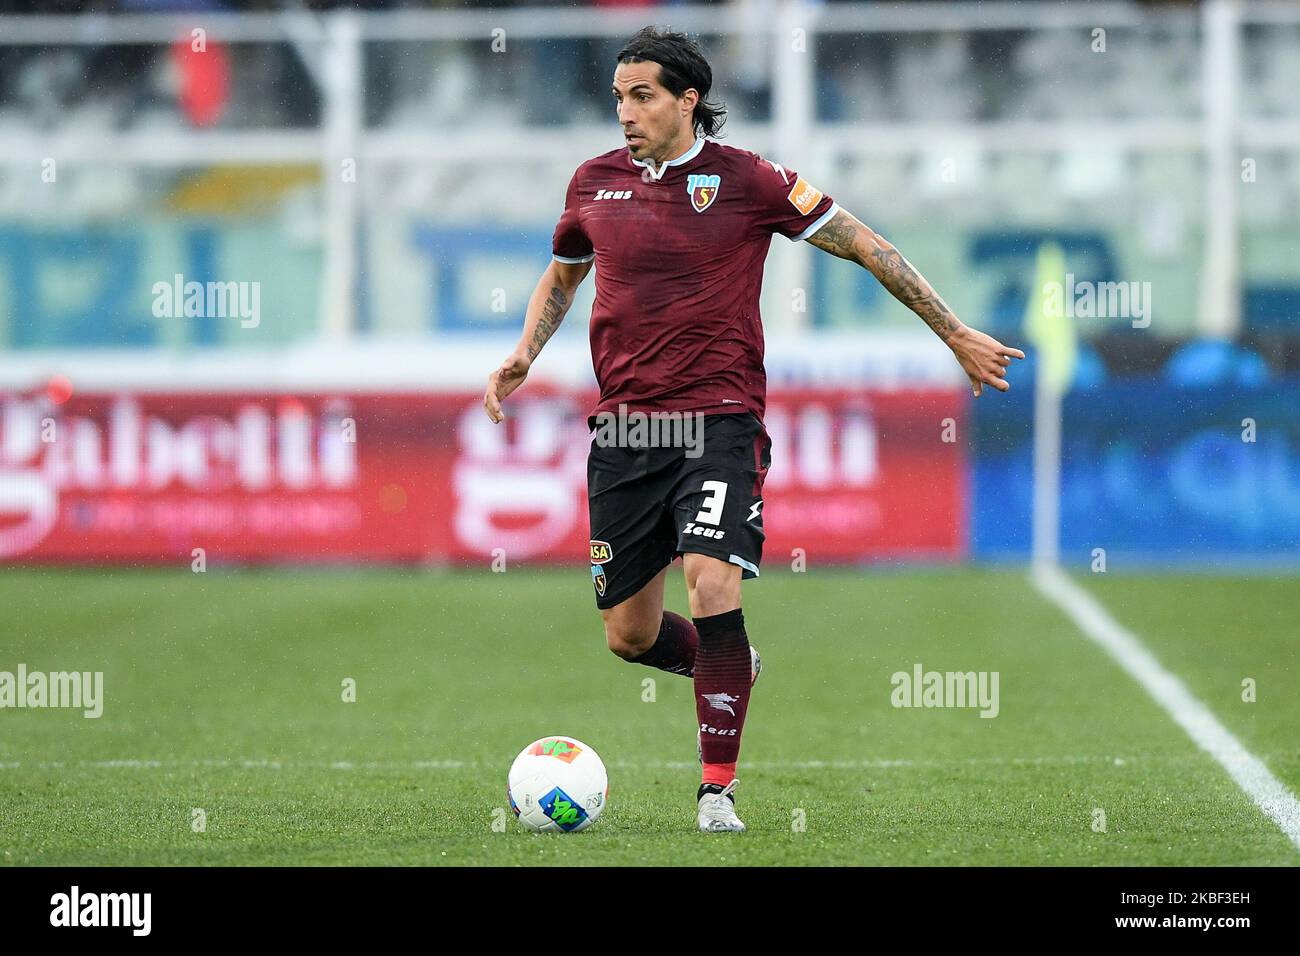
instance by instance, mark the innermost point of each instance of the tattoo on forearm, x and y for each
(557, 304)
(910, 288)
(843, 237)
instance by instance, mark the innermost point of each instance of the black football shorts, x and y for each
(650, 504)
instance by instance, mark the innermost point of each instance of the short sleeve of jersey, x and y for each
(570, 243)
(788, 203)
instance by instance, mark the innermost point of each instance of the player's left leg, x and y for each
(718, 513)
(723, 680)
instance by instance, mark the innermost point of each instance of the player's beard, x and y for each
(648, 152)
(639, 148)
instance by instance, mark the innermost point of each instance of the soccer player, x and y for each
(678, 226)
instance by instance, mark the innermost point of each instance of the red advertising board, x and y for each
(339, 477)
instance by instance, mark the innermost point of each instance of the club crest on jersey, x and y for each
(703, 189)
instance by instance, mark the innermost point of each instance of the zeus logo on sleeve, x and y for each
(804, 196)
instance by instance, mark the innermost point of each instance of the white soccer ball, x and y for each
(557, 785)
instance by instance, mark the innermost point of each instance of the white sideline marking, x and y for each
(1172, 694)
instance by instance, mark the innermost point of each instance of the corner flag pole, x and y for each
(1052, 334)
(1047, 473)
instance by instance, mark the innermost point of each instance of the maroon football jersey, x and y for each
(679, 268)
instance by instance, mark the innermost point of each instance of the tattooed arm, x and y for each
(982, 357)
(547, 307)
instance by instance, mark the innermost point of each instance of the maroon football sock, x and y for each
(674, 649)
(722, 683)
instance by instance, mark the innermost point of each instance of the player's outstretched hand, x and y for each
(983, 358)
(502, 382)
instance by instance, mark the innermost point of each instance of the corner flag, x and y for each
(1047, 326)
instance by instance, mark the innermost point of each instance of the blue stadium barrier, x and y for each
(1211, 363)
(1151, 472)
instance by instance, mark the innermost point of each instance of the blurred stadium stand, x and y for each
(966, 132)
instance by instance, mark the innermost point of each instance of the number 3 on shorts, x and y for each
(711, 513)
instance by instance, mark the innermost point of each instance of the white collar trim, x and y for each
(683, 158)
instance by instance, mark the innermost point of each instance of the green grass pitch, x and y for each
(223, 692)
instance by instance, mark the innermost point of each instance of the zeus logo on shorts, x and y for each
(703, 532)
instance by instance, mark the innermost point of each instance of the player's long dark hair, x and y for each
(682, 67)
